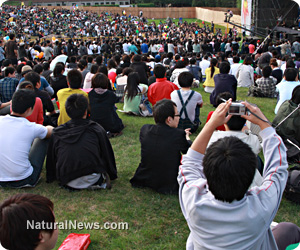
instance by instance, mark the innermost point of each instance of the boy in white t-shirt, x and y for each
(22, 149)
(187, 99)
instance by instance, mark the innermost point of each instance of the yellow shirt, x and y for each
(209, 82)
(62, 96)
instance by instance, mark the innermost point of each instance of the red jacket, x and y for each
(161, 89)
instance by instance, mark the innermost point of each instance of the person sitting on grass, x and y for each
(161, 148)
(79, 154)
(20, 217)
(23, 148)
(74, 79)
(264, 86)
(188, 102)
(214, 195)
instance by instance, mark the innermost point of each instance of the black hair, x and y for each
(46, 65)
(236, 59)
(19, 68)
(111, 64)
(94, 69)
(290, 74)
(103, 69)
(224, 67)
(33, 77)
(6, 62)
(213, 64)
(162, 110)
(132, 88)
(224, 95)
(76, 105)
(136, 58)
(22, 100)
(100, 80)
(126, 71)
(185, 79)
(236, 123)
(9, 70)
(229, 166)
(98, 60)
(26, 85)
(38, 68)
(58, 69)
(296, 95)
(83, 62)
(12, 36)
(73, 59)
(290, 63)
(267, 71)
(159, 71)
(74, 78)
(89, 59)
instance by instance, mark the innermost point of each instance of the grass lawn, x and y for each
(155, 221)
(190, 20)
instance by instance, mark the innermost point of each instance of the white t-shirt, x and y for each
(191, 106)
(204, 64)
(16, 138)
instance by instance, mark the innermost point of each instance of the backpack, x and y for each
(292, 188)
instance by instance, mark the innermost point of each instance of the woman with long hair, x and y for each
(102, 103)
(58, 80)
(134, 93)
(245, 73)
(210, 72)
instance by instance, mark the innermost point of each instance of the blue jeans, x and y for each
(36, 157)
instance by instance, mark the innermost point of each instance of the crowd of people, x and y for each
(58, 99)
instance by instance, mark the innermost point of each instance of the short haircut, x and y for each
(248, 60)
(76, 105)
(290, 63)
(98, 60)
(94, 68)
(14, 214)
(136, 58)
(236, 59)
(126, 71)
(12, 36)
(74, 78)
(273, 62)
(229, 166)
(90, 59)
(224, 67)
(33, 77)
(22, 100)
(100, 80)
(296, 95)
(162, 110)
(159, 71)
(73, 59)
(267, 71)
(26, 85)
(103, 69)
(38, 68)
(236, 123)
(185, 79)
(290, 74)
(224, 95)
(6, 62)
(9, 70)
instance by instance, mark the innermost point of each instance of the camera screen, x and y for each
(234, 109)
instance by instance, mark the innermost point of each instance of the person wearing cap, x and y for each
(8, 84)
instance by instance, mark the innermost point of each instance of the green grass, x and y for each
(190, 20)
(155, 220)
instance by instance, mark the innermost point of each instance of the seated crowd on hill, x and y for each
(66, 112)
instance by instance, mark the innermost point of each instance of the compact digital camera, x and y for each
(237, 108)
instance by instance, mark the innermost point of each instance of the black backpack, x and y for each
(235, 46)
(292, 189)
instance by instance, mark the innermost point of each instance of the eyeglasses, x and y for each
(177, 115)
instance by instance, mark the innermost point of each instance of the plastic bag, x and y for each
(76, 242)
